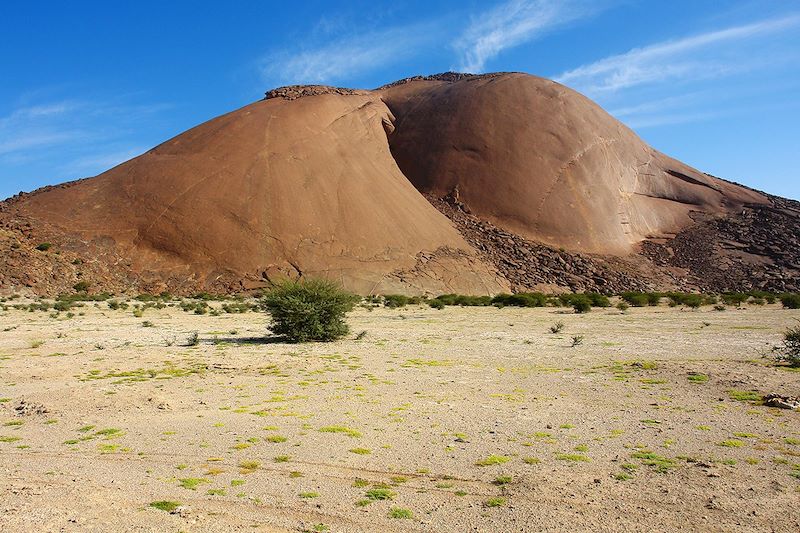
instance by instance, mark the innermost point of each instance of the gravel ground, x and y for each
(465, 419)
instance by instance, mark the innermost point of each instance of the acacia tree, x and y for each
(309, 309)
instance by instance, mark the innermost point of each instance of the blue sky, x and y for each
(89, 84)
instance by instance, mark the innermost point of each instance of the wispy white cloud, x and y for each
(98, 162)
(475, 39)
(67, 139)
(698, 57)
(37, 138)
(346, 56)
(513, 23)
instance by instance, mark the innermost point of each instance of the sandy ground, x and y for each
(249, 435)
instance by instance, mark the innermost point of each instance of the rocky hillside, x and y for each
(447, 183)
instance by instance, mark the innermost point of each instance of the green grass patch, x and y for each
(572, 457)
(659, 463)
(191, 483)
(341, 429)
(379, 493)
(493, 460)
(360, 451)
(398, 512)
(165, 505)
(744, 396)
(495, 502)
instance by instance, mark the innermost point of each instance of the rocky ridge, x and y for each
(294, 92)
(531, 266)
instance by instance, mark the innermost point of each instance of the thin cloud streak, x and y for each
(514, 23)
(507, 25)
(101, 162)
(670, 60)
(346, 57)
(72, 138)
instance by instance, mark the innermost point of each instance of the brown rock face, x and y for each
(277, 188)
(538, 159)
(446, 183)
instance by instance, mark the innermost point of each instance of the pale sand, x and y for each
(431, 394)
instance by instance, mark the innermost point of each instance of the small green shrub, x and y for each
(790, 351)
(436, 304)
(520, 299)
(43, 247)
(598, 300)
(309, 310)
(581, 305)
(767, 297)
(636, 299)
(395, 300)
(583, 302)
(734, 298)
(464, 300)
(692, 301)
(81, 286)
(791, 300)
(653, 298)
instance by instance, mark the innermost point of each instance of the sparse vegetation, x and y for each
(389, 405)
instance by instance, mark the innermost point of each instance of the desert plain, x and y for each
(461, 419)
